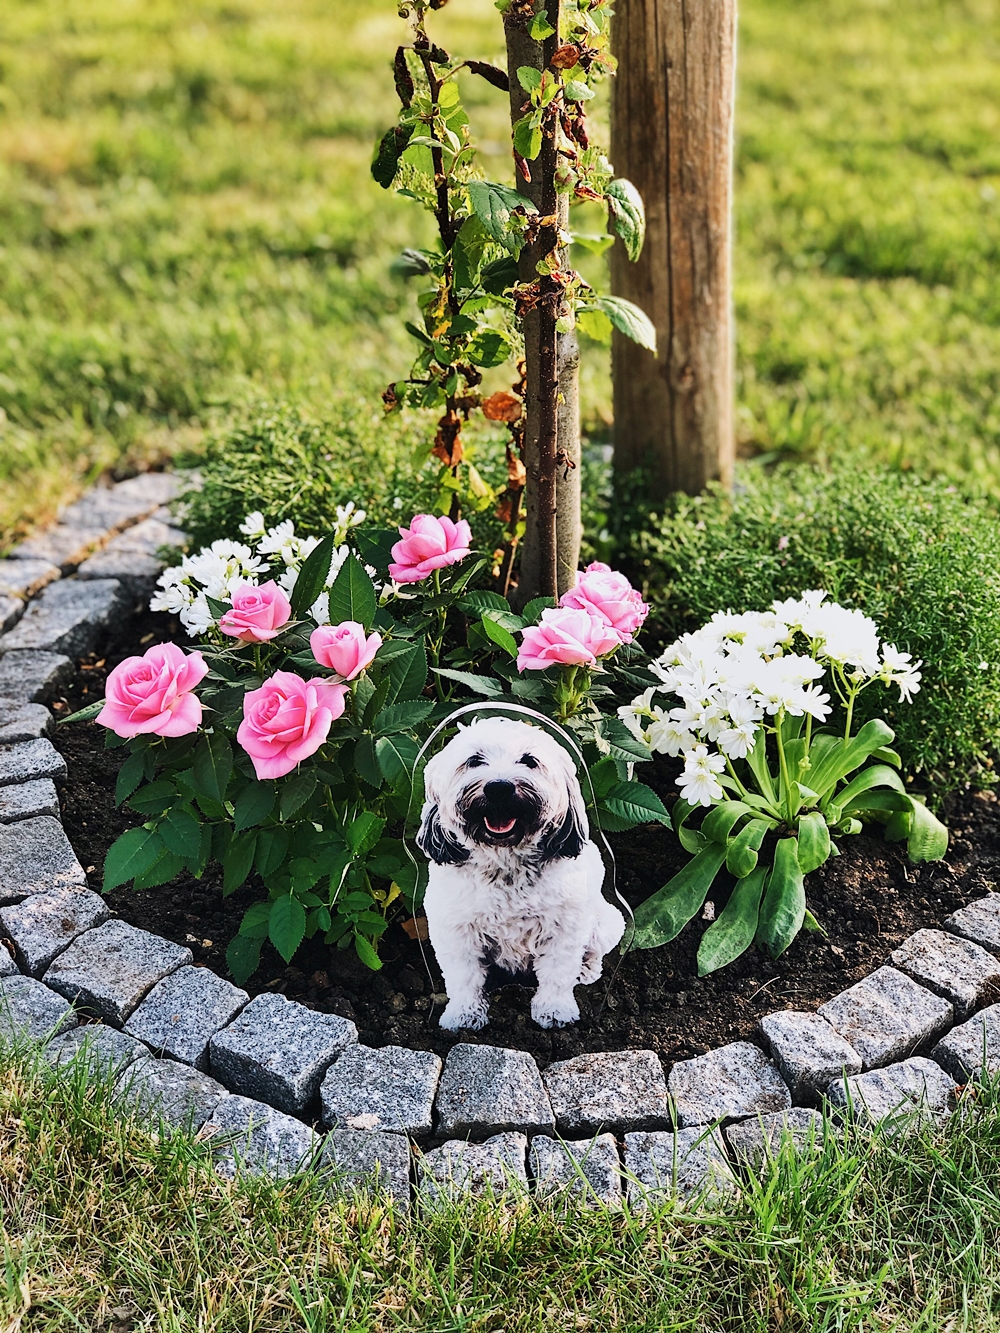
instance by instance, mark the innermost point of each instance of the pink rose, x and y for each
(258, 613)
(429, 543)
(344, 648)
(610, 597)
(565, 637)
(153, 695)
(287, 720)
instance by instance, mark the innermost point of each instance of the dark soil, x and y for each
(867, 901)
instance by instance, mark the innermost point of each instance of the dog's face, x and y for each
(501, 785)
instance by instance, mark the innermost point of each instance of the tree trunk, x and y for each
(550, 550)
(672, 136)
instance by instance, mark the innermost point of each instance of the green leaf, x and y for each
(538, 29)
(287, 926)
(313, 577)
(621, 742)
(256, 920)
(928, 839)
(528, 137)
(814, 842)
(154, 798)
(86, 714)
(733, 931)
(887, 756)
(487, 686)
(295, 792)
(129, 776)
(407, 674)
(663, 916)
(594, 323)
(366, 952)
(402, 716)
(238, 861)
(632, 803)
(628, 319)
(364, 832)
(243, 958)
(720, 821)
(272, 845)
(493, 205)
(532, 613)
(528, 77)
(396, 757)
(500, 636)
(366, 763)
(390, 149)
(376, 703)
(879, 775)
(375, 545)
(741, 854)
(253, 805)
(213, 764)
(181, 833)
(352, 596)
(498, 276)
(489, 348)
(135, 852)
(784, 906)
(840, 759)
(166, 867)
(627, 215)
(578, 91)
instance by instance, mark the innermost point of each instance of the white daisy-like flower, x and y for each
(278, 538)
(253, 526)
(738, 740)
(665, 736)
(699, 784)
(197, 618)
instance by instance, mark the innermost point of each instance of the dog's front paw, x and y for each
(555, 1013)
(591, 969)
(457, 1016)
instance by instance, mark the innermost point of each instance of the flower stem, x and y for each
(783, 762)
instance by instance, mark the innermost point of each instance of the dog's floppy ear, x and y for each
(437, 845)
(565, 839)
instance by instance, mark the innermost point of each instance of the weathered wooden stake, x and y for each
(672, 136)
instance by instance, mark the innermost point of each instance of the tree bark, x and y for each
(550, 551)
(672, 136)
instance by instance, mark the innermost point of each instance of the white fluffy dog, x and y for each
(514, 879)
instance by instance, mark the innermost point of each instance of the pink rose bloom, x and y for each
(152, 694)
(609, 596)
(565, 637)
(258, 613)
(287, 720)
(429, 543)
(344, 648)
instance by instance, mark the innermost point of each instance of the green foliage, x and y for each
(916, 556)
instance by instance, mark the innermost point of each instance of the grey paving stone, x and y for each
(110, 969)
(8, 967)
(730, 1083)
(152, 488)
(887, 1016)
(136, 571)
(45, 924)
(277, 1051)
(622, 1089)
(110, 508)
(808, 1053)
(163, 1092)
(972, 1049)
(32, 676)
(914, 1089)
(390, 1089)
(29, 1011)
(490, 1089)
(35, 857)
(182, 1013)
(23, 578)
(258, 1140)
(954, 968)
(374, 1163)
(586, 1170)
(28, 800)
(23, 722)
(29, 760)
(979, 922)
(61, 545)
(761, 1138)
(688, 1165)
(102, 1050)
(11, 611)
(494, 1169)
(69, 617)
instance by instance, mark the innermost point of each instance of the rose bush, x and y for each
(285, 747)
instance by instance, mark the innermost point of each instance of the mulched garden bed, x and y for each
(868, 901)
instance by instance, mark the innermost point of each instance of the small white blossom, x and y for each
(698, 784)
(666, 736)
(253, 526)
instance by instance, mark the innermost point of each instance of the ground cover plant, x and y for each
(188, 212)
(881, 1233)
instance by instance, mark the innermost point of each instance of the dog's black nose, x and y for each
(498, 790)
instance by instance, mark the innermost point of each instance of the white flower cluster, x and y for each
(739, 670)
(216, 571)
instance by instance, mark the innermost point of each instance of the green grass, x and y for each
(186, 216)
(102, 1227)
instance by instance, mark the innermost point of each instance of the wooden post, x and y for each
(672, 136)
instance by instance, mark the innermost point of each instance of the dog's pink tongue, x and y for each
(500, 828)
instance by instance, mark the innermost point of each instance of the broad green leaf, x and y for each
(375, 545)
(887, 756)
(479, 601)
(181, 833)
(528, 137)
(287, 925)
(595, 323)
(493, 205)
(928, 840)
(870, 801)
(272, 845)
(396, 757)
(403, 716)
(243, 957)
(629, 804)
(376, 703)
(603, 776)
(213, 764)
(487, 686)
(528, 77)
(538, 29)
(629, 320)
(352, 596)
(621, 743)
(664, 915)
(741, 854)
(135, 852)
(86, 714)
(364, 832)
(313, 577)
(841, 759)
(734, 929)
(814, 842)
(255, 921)
(253, 805)
(500, 636)
(689, 839)
(532, 613)
(390, 149)
(366, 952)
(489, 348)
(720, 821)
(238, 861)
(578, 91)
(167, 866)
(879, 775)
(784, 905)
(898, 826)
(365, 762)
(407, 675)
(129, 777)
(627, 215)
(757, 762)
(295, 792)
(154, 798)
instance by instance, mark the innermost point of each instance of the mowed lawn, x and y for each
(186, 218)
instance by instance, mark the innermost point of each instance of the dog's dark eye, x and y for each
(528, 760)
(475, 761)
